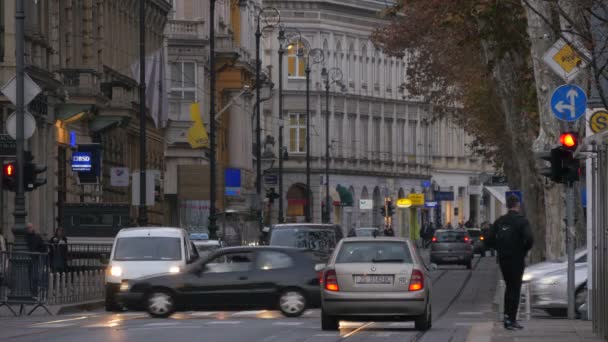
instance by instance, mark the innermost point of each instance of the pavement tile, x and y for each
(538, 330)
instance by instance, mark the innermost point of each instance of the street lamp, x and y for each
(271, 18)
(283, 39)
(317, 57)
(212, 144)
(333, 75)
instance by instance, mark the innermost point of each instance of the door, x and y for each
(272, 268)
(223, 282)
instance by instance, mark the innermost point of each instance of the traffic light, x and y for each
(383, 211)
(391, 208)
(31, 172)
(9, 176)
(569, 140)
(564, 167)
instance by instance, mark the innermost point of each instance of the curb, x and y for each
(76, 307)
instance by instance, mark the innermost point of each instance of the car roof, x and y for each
(261, 248)
(308, 225)
(451, 230)
(375, 239)
(151, 231)
(206, 242)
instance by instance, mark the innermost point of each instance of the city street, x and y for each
(460, 298)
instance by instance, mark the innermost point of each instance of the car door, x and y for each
(273, 269)
(223, 281)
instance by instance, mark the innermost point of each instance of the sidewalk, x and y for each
(554, 330)
(61, 309)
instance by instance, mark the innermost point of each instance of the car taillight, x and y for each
(466, 239)
(331, 281)
(417, 281)
(434, 239)
(320, 276)
(481, 238)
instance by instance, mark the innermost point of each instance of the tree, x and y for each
(478, 62)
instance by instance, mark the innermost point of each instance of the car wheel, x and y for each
(160, 304)
(329, 322)
(425, 321)
(292, 303)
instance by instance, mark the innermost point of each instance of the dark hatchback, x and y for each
(232, 278)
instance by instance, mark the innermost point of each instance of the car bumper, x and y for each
(131, 300)
(373, 304)
(451, 257)
(544, 296)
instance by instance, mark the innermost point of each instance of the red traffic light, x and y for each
(9, 170)
(569, 140)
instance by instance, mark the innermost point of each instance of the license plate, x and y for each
(374, 279)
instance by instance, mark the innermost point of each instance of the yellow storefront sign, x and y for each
(404, 203)
(197, 134)
(417, 199)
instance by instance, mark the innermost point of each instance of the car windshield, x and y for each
(474, 232)
(315, 239)
(374, 252)
(147, 248)
(450, 236)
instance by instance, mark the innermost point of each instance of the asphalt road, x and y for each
(460, 298)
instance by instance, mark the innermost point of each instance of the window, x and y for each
(364, 65)
(376, 149)
(389, 139)
(296, 64)
(231, 262)
(339, 135)
(297, 133)
(376, 252)
(364, 138)
(353, 135)
(147, 248)
(302, 237)
(183, 87)
(273, 261)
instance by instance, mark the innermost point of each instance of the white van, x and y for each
(145, 251)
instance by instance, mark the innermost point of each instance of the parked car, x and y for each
(140, 252)
(452, 246)
(549, 282)
(364, 231)
(477, 240)
(379, 279)
(321, 238)
(235, 277)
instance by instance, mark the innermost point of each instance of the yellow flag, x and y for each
(197, 134)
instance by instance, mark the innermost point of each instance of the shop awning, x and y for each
(346, 199)
(498, 192)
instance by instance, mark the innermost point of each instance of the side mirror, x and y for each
(433, 267)
(320, 267)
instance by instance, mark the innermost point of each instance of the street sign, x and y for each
(598, 121)
(565, 61)
(404, 203)
(31, 90)
(417, 199)
(431, 204)
(568, 102)
(516, 193)
(29, 125)
(119, 176)
(8, 146)
(82, 162)
(232, 180)
(444, 196)
(366, 204)
(271, 179)
(426, 184)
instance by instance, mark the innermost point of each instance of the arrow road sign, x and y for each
(568, 102)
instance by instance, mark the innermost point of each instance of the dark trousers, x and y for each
(512, 272)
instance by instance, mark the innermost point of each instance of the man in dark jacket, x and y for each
(512, 238)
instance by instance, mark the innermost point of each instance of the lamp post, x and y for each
(143, 210)
(333, 75)
(212, 145)
(281, 52)
(271, 17)
(317, 57)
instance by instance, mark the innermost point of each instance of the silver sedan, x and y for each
(375, 279)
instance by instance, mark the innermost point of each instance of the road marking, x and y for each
(224, 322)
(383, 334)
(471, 313)
(248, 313)
(204, 313)
(288, 323)
(54, 325)
(357, 330)
(161, 324)
(327, 335)
(62, 320)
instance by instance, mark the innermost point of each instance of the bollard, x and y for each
(500, 294)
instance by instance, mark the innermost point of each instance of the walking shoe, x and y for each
(516, 325)
(509, 324)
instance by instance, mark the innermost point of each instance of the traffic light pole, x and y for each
(570, 235)
(20, 213)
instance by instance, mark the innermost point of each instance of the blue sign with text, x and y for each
(81, 162)
(515, 193)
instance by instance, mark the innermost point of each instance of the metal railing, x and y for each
(74, 287)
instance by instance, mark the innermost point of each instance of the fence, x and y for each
(73, 287)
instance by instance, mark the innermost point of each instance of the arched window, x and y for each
(296, 63)
(351, 65)
(337, 56)
(364, 65)
(326, 49)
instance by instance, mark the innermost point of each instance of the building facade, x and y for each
(82, 55)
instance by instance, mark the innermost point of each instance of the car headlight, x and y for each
(527, 277)
(124, 286)
(174, 269)
(116, 271)
(549, 281)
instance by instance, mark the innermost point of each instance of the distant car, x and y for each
(452, 246)
(379, 279)
(549, 282)
(206, 247)
(365, 232)
(477, 240)
(321, 238)
(231, 278)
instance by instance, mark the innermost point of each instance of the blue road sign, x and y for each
(568, 102)
(515, 193)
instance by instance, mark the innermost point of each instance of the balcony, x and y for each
(186, 29)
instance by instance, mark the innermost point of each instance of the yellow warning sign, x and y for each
(197, 134)
(567, 58)
(598, 121)
(417, 199)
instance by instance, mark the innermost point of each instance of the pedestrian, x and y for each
(35, 244)
(34, 241)
(469, 224)
(59, 251)
(512, 238)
